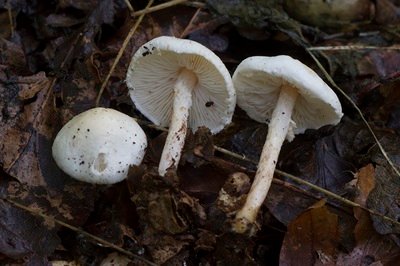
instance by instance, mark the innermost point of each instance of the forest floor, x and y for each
(335, 196)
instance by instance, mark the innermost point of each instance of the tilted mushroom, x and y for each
(180, 83)
(290, 97)
(99, 145)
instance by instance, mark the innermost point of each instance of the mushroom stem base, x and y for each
(175, 141)
(277, 132)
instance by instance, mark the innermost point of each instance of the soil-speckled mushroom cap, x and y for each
(258, 81)
(99, 145)
(154, 69)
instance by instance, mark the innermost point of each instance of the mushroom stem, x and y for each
(277, 132)
(175, 141)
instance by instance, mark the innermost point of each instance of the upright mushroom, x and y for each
(290, 97)
(180, 83)
(99, 145)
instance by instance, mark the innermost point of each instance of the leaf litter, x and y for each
(52, 68)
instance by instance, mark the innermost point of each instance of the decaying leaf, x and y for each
(249, 141)
(28, 126)
(312, 238)
(365, 183)
(23, 236)
(65, 205)
(390, 105)
(161, 208)
(12, 56)
(202, 174)
(163, 248)
(206, 241)
(200, 142)
(286, 204)
(370, 247)
(232, 249)
(18, 117)
(387, 12)
(384, 199)
(381, 63)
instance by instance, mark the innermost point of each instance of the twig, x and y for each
(352, 47)
(10, 17)
(328, 77)
(121, 51)
(80, 231)
(159, 7)
(185, 31)
(128, 4)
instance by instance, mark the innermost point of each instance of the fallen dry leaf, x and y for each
(63, 204)
(312, 238)
(384, 197)
(365, 183)
(25, 237)
(286, 204)
(19, 124)
(233, 249)
(380, 63)
(387, 12)
(12, 56)
(370, 248)
(164, 248)
(163, 209)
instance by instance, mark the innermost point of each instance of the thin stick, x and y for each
(128, 4)
(121, 51)
(10, 17)
(352, 47)
(159, 7)
(185, 31)
(328, 77)
(80, 231)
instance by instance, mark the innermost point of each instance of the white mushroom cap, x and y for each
(99, 145)
(154, 69)
(258, 80)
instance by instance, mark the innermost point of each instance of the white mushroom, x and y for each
(180, 83)
(99, 145)
(290, 97)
